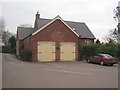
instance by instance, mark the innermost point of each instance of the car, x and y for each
(102, 59)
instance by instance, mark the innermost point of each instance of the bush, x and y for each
(11, 46)
(92, 49)
(89, 50)
(110, 48)
(26, 56)
(8, 49)
(119, 52)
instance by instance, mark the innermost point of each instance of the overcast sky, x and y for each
(97, 14)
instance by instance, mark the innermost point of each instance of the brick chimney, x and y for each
(37, 16)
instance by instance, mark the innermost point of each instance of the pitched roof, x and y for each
(24, 32)
(51, 21)
(80, 28)
(42, 21)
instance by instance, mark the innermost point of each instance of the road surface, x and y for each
(19, 74)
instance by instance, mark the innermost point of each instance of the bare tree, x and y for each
(112, 36)
(4, 34)
(2, 30)
(2, 24)
(116, 32)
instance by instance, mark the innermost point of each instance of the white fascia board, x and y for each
(69, 26)
(59, 18)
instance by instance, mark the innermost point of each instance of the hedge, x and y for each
(8, 49)
(92, 49)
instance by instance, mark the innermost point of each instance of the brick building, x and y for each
(53, 39)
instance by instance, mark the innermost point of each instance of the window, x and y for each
(107, 56)
(87, 41)
(96, 56)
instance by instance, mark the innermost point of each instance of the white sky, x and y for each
(97, 14)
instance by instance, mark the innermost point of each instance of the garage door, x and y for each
(67, 51)
(46, 51)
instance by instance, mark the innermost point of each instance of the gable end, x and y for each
(56, 18)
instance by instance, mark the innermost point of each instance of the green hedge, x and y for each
(92, 49)
(111, 49)
(88, 50)
(8, 49)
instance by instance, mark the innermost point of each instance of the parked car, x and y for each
(102, 59)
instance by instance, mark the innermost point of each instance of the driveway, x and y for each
(78, 74)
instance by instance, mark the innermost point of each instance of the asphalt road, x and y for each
(18, 74)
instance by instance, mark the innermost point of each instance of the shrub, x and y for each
(11, 46)
(119, 52)
(110, 48)
(92, 49)
(26, 55)
(88, 50)
(8, 49)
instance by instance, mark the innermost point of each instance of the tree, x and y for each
(2, 29)
(12, 42)
(4, 34)
(2, 24)
(117, 17)
(112, 36)
(11, 47)
(116, 31)
(111, 41)
(98, 41)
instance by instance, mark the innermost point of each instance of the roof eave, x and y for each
(87, 38)
(56, 18)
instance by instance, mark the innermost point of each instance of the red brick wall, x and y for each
(82, 41)
(56, 32)
(27, 43)
(20, 46)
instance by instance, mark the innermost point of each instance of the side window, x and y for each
(100, 56)
(97, 56)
